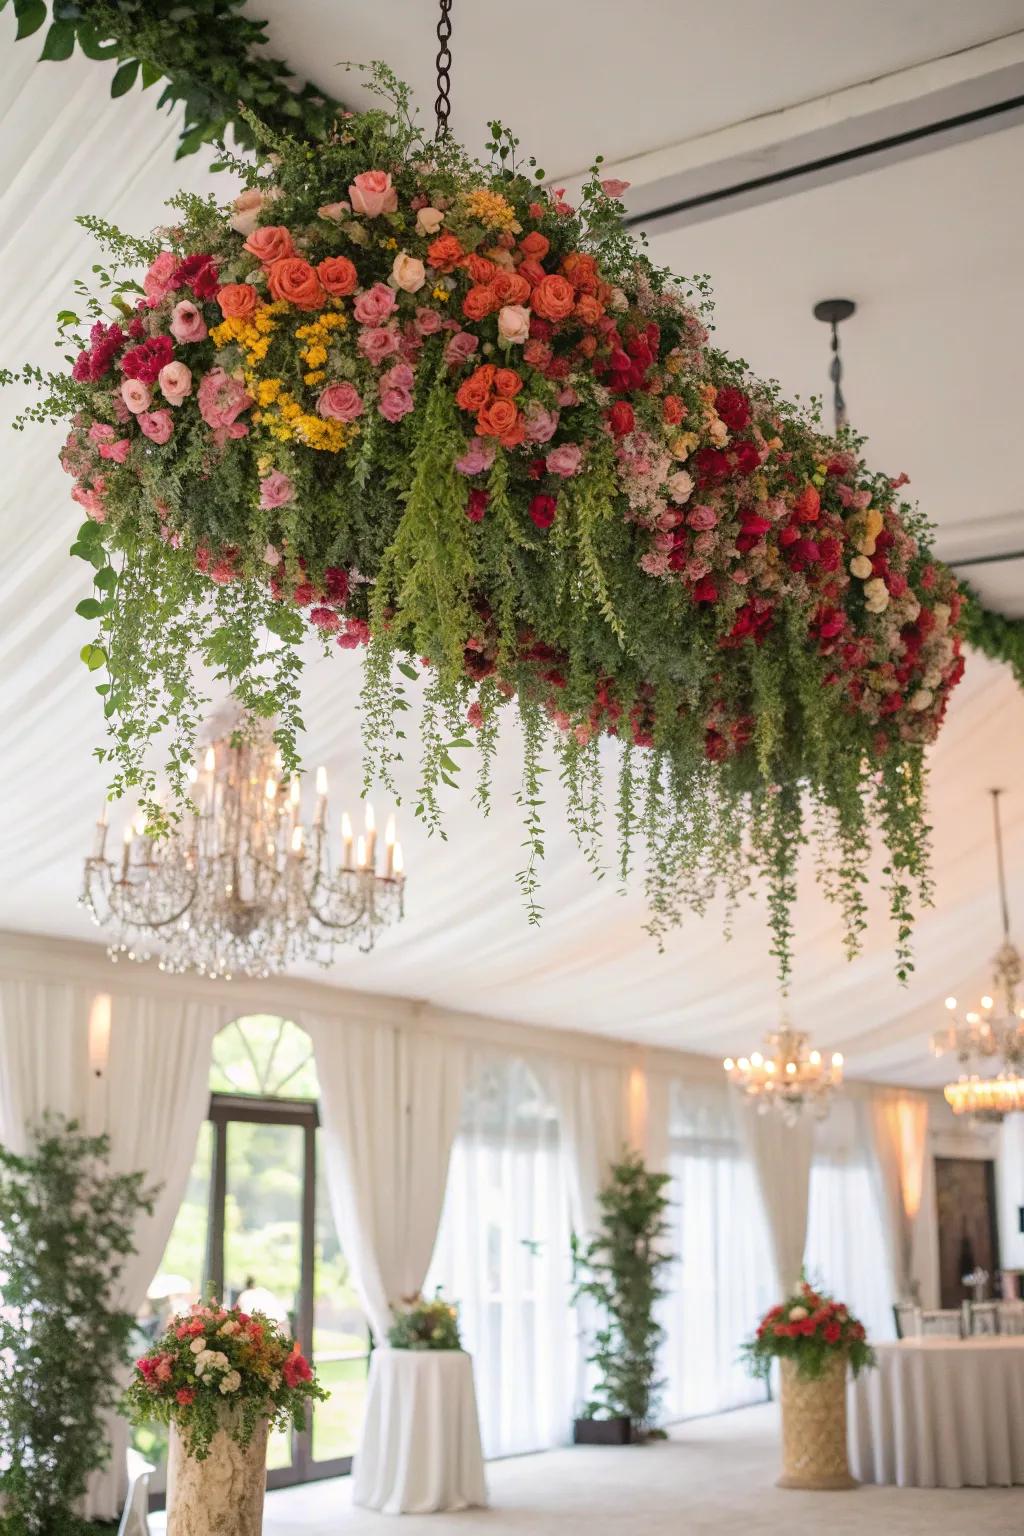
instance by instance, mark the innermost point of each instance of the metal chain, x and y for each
(836, 375)
(443, 106)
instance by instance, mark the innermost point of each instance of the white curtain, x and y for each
(43, 1054)
(721, 1282)
(592, 1102)
(899, 1132)
(390, 1102)
(846, 1249)
(503, 1253)
(781, 1158)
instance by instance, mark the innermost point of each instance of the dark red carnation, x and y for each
(476, 505)
(733, 407)
(542, 510)
(145, 362)
(336, 584)
(199, 274)
(705, 591)
(621, 419)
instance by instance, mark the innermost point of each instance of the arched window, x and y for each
(266, 1057)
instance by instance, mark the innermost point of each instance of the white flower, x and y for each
(231, 1383)
(861, 567)
(198, 1346)
(203, 1360)
(796, 1314)
(921, 699)
(219, 1361)
(680, 485)
(429, 221)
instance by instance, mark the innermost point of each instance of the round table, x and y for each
(420, 1449)
(940, 1413)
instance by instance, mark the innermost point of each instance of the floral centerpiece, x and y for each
(427, 1323)
(816, 1339)
(401, 400)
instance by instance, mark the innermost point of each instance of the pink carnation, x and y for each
(222, 399)
(159, 280)
(702, 517)
(565, 460)
(117, 452)
(157, 425)
(99, 432)
(478, 457)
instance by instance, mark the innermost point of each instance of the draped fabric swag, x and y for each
(898, 1125)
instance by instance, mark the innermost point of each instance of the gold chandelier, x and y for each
(243, 886)
(787, 1076)
(992, 1032)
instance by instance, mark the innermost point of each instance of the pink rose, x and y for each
(564, 461)
(408, 272)
(275, 490)
(247, 207)
(334, 212)
(136, 395)
(157, 425)
(541, 424)
(514, 323)
(175, 381)
(612, 187)
(568, 396)
(118, 451)
(701, 517)
(187, 323)
(428, 222)
(374, 306)
(427, 322)
(394, 404)
(479, 455)
(398, 377)
(340, 402)
(372, 194)
(222, 399)
(460, 348)
(158, 281)
(99, 432)
(376, 345)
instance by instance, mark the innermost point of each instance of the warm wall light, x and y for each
(99, 1033)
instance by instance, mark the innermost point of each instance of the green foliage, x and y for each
(993, 633)
(210, 55)
(67, 1223)
(618, 1270)
(426, 1324)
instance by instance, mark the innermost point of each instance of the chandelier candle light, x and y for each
(241, 886)
(788, 1077)
(993, 1032)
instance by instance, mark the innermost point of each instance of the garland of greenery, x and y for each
(993, 633)
(412, 402)
(208, 51)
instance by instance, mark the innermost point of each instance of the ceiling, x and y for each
(931, 249)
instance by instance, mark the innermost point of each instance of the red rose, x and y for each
(621, 418)
(542, 510)
(733, 407)
(705, 591)
(833, 1333)
(476, 506)
(744, 457)
(199, 274)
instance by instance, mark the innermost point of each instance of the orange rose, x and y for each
(532, 270)
(271, 242)
(444, 254)
(535, 244)
(581, 269)
(293, 279)
(237, 300)
(507, 383)
(479, 302)
(517, 436)
(588, 345)
(553, 298)
(510, 288)
(474, 392)
(497, 419)
(337, 275)
(588, 309)
(479, 268)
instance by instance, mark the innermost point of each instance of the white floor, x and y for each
(714, 1477)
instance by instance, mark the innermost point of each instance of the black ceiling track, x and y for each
(1008, 554)
(826, 162)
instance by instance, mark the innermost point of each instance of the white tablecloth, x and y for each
(940, 1413)
(420, 1448)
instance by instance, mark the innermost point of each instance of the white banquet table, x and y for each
(420, 1449)
(940, 1413)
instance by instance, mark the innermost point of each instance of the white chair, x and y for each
(906, 1316)
(1011, 1316)
(135, 1515)
(981, 1317)
(942, 1323)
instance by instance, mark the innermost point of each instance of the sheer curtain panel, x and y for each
(503, 1254)
(846, 1245)
(781, 1158)
(899, 1131)
(390, 1101)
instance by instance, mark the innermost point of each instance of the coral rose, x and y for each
(588, 309)
(514, 324)
(372, 194)
(553, 298)
(408, 272)
(474, 392)
(479, 268)
(478, 303)
(532, 270)
(340, 402)
(535, 244)
(510, 288)
(293, 279)
(337, 276)
(507, 383)
(270, 242)
(237, 300)
(445, 253)
(497, 419)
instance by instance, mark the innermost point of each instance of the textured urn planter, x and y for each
(222, 1495)
(618, 1431)
(814, 1429)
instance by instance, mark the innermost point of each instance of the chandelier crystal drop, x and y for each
(242, 885)
(992, 1032)
(787, 1076)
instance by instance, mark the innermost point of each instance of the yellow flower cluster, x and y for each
(317, 338)
(253, 334)
(276, 409)
(489, 208)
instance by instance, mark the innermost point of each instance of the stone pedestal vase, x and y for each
(222, 1495)
(814, 1428)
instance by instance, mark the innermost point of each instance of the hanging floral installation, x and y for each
(424, 407)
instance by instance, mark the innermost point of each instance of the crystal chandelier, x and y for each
(787, 1076)
(243, 886)
(994, 1031)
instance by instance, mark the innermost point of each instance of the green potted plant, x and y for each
(426, 1324)
(617, 1270)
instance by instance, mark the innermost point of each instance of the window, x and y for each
(846, 1246)
(503, 1253)
(721, 1282)
(255, 1226)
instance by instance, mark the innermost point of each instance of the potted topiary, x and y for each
(617, 1271)
(815, 1339)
